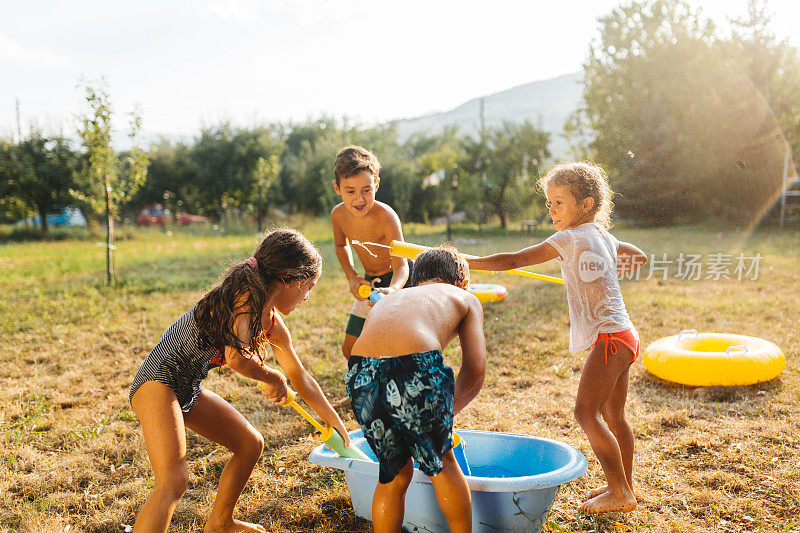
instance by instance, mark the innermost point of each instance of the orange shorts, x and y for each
(629, 337)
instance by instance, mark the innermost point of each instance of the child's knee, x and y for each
(255, 444)
(585, 414)
(174, 483)
(251, 445)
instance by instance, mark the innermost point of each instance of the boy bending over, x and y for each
(403, 395)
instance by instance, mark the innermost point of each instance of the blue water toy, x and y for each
(365, 291)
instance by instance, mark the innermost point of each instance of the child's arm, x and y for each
(473, 356)
(400, 271)
(630, 258)
(252, 367)
(305, 384)
(532, 255)
(345, 256)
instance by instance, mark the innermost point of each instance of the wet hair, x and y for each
(443, 263)
(584, 180)
(283, 255)
(352, 160)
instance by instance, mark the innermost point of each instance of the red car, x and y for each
(156, 215)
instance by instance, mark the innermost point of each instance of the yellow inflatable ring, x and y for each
(706, 359)
(488, 292)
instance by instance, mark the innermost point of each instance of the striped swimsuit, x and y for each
(178, 362)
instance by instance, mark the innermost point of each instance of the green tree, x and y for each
(265, 185)
(171, 180)
(503, 170)
(308, 172)
(108, 180)
(306, 168)
(39, 172)
(680, 127)
(772, 66)
(11, 206)
(225, 160)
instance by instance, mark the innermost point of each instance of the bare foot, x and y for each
(595, 492)
(341, 402)
(600, 490)
(236, 526)
(607, 503)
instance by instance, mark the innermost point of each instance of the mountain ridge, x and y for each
(547, 103)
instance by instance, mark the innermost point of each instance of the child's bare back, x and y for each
(416, 319)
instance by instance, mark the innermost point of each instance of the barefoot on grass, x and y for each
(598, 491)
(237, 526)
(607, 503)
(595, 492)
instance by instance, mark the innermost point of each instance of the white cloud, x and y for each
(236, 10)
(13, 51)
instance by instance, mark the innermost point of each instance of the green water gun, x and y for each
(328, 435)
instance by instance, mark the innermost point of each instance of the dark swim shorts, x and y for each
(404, 405)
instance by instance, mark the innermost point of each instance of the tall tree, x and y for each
(679, 128)
(772, 66)
(108, 180)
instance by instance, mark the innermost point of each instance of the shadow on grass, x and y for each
(648, 386)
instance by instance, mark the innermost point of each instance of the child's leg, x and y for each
(347, 345)
(389, 501)
(452, 493)
(598, 382)
(161, 418)
(614, 414)
(217, 420)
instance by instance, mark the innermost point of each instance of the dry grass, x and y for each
(71, 453)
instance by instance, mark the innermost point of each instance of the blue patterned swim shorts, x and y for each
(404, 406)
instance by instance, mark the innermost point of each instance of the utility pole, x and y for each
(481, 157)
(19, 125)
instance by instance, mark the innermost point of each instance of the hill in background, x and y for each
(546, 103)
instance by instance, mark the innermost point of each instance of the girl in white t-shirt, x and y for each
(579, 203)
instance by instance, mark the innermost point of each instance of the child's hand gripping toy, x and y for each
(365, 291)
(328, 435)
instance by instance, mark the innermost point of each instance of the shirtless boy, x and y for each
(359, 217)
(403, 395)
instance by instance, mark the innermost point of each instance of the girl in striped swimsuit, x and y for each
(230, 325)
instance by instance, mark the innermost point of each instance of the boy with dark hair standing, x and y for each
(360, 217)
(403, 395)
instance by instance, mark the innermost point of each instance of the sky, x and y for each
(190, 63)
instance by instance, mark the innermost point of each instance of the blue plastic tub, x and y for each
(514, 481)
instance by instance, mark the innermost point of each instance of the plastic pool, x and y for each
(514, 481)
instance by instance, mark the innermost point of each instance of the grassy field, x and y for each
(72, 457)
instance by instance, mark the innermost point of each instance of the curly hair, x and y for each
(284, 255)
(584, 180)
